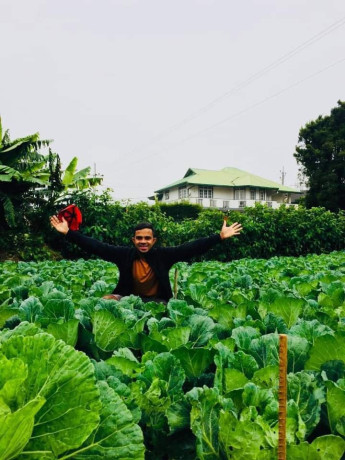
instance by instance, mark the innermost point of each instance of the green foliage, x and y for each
(22, 169)
(181, 211)
(25, 246)
(287, 231)
(79, 180)
(326, 348)
(32, 183)
(48, 384)
(266, 232)
(117, 436)
(321, 154)
(200, 375)
(59, 394)
(328, 447)
(336, 406)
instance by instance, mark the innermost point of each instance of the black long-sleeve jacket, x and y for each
(161, 259)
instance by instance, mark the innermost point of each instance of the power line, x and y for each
(315, 38)
(241, 112)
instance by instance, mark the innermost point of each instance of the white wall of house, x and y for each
(170, 196)
(226, 197)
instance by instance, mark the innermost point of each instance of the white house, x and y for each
(229, 188)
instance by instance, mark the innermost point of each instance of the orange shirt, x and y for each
(145, 282)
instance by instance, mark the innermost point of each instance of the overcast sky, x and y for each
(146, 89)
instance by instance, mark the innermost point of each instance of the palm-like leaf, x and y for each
(79, 180)
(69, 172)
(8, 174)
(18, 142)
(82, 174)
(90, 182)
(36, 166)
(8, 209)
(23, 150)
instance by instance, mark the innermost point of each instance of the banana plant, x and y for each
(22, 167)
(79, 180)
(64, 182)
(28, 176)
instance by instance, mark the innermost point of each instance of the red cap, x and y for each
(73, 216)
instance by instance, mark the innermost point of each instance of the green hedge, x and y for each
(266, 232)
(181, 211)
(18, 246)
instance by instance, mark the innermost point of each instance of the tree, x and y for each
(64, 182)
(22, 167)
(31, 180)
(321, 154)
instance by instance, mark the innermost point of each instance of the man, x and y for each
(144, 269)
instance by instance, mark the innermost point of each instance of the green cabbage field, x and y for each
(86, 378)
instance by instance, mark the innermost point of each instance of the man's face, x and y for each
(143, 240)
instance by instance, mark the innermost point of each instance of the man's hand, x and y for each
(233, 230)
(61, 227)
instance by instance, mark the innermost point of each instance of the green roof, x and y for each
(226, 177)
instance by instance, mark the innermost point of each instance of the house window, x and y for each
(166, 195)
(262, 195)
(205, 192)
(226, 204)
(182, 192)
(213, 203)
(253, 194)
(240, 193)
(199, 201)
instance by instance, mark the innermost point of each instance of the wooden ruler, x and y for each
(282, 396)
(175, 283)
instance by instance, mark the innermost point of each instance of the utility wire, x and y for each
(315, 38)
(241, 112)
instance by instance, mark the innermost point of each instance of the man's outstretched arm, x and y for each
(91, 245)
(197, 247)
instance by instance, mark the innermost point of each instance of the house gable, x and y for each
(226, 177)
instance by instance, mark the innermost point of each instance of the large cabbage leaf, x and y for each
(65, 379)
(117, 436)
(327, 447)
(336, 406)
(194, 360)
(326, 348)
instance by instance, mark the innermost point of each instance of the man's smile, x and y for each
(144, 240)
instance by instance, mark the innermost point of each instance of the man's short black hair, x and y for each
(143, 225)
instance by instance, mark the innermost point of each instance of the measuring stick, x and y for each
(282, 396)
(175, 283)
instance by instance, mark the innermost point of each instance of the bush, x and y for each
(266, 232)
(25, 246)
(181, 211)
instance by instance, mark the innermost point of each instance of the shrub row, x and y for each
(266, 232)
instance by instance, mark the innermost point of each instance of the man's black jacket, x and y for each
(160, 259)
